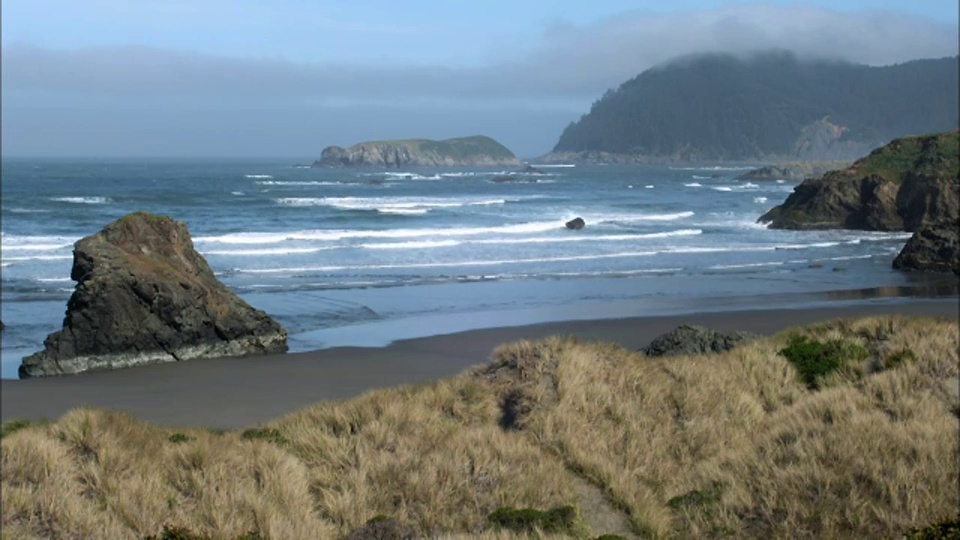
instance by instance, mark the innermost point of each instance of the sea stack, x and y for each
(144, 295)
(903, 186)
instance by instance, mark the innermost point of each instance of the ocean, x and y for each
(365, 257)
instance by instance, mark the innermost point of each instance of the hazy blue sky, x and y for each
(288, 77)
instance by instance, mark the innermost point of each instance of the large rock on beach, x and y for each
(909, 183)
(692, 340)
(144, 295)
(933, 248)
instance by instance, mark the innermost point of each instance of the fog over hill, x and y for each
(772, 105)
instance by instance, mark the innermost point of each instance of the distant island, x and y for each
(476, 151)
(770, 107)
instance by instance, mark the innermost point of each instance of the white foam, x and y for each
(649, 187)
(760, 200)
(412, 245)
(35, 247)
(616, 272)
(403, 211)
(237, 193)
(698, 177)
(40, 258)
(297, 183)
(387, 205)
(882, 236)
(571, 258)
(247, 238)
(587, 238)
(81, 200)
(258, 176)
(557, 166)
(739, 187)
(411, 176)
(746, 265)
(627, 218)
(694, 184)
(54, 280)
(261, 252)
(13, 240)
(781, 181)
(850, 258)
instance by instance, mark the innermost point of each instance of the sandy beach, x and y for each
(240, 392)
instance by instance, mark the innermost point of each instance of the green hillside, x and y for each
(771, 106)
(934, 155)
(459, 148)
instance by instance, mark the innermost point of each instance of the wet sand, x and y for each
(240, 392)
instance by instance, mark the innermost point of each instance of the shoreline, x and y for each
(240, 392)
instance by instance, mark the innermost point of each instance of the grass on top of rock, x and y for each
(924, 154)
(687, 447)
(459, 148)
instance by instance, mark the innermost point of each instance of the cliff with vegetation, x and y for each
(477, 151)
(769, 107)
(792, 436)
(911, 182)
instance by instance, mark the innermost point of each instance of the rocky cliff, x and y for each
(908, 183)
(144, 295)
(477, 151)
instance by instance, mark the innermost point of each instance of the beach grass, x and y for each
(552, 439)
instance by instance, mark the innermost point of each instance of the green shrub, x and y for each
(898, 358)
(13, 426)
(948, 529)
(269, 434)
(179, 438)
(697, 497)
(381, 527)
(562, 519)
(172, 532)
(814, 359)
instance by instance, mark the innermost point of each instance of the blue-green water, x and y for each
(365, 256)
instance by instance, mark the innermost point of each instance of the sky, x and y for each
(285, 78)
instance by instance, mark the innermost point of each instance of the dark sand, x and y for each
(240, 392)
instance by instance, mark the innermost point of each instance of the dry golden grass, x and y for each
(726, 445)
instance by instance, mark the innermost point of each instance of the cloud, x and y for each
(138, 100)
(570, 64)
